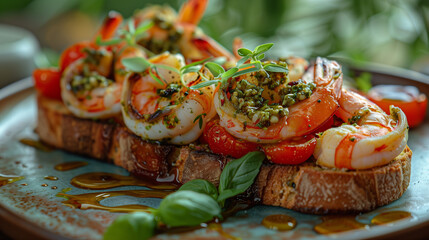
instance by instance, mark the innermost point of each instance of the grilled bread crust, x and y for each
(307, 187)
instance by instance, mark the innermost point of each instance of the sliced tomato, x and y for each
(47, 82)
(290, 152)
(407, 98)
(222, 142)
(73, 53)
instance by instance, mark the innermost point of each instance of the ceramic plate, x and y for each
(30, 207)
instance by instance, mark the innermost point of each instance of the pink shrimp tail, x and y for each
(192, 11)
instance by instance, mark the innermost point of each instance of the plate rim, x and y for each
(26, 229)
(406, 229)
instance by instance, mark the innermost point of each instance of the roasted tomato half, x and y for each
(221, 142)
(47, 82)
(407, 98)
(290, 151)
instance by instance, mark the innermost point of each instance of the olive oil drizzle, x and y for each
(389, 217)
(6, 179)
(102, 180)
(36, 144)
(92, 200)
(219, 229)
(338, 224)
(280, 222)
(51, 178)
(70, 165)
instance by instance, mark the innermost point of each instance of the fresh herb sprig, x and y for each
(195, 202)
(140, 64)
(200, 120)
(130, 35)
(250, 62)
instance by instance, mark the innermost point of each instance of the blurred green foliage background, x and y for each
(391, 32)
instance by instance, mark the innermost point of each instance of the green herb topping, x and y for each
(88, 81)
(169, 90)
(247, 98)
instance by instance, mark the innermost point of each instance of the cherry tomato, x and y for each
(221, 142)
(110, 24)
(407, 98)
(73, 53)
(290, 152)
(47, 82)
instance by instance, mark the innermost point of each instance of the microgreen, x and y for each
(250, 62)
(130, 35)
(140, 64)
(200, 119)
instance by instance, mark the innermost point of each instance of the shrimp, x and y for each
(297, 67)
(170, 111)
(87, 87)
(272, 109)
(179, 33)
(372, 138)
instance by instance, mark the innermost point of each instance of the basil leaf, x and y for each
(187, 208)
(238, 175)
(244, 52)
(133, 226)
(136, 64)
(200, 186)
(204, 84)
(229, 73)
(275, 68)
(215, 68)
(243, 60)
(263, 48)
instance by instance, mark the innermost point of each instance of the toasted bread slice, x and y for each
(306, 187)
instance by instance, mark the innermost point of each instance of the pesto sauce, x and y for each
(358, 116)
(171, 44)
(81, 84)
(169, 90)
(247, 98)
(170, 121)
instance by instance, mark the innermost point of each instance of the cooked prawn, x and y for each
(179, 33)
(303, 117)
(371, 137)
(170, 111)
(87, 87)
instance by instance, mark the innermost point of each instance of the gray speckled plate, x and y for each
(29, 207)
